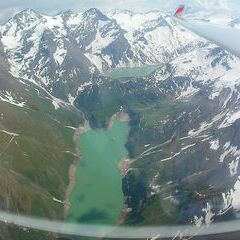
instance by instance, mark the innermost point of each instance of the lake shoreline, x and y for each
(73, 167)
(121, 116)
(123, 165)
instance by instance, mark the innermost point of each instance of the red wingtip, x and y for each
(179, 11)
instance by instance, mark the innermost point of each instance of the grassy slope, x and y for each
(34, 166)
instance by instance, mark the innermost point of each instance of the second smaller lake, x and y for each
(133, 71)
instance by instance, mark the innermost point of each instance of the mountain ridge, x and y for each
(39, 51)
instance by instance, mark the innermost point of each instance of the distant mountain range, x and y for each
(63, 52)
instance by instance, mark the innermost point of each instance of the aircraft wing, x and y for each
(225, 37)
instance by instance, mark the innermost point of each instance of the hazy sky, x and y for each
(10, 7)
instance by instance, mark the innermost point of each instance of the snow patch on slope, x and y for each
(60, 53)
(214, 145)
(6, 96)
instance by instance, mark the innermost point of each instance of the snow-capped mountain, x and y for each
(42, 53)
(63, 52)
